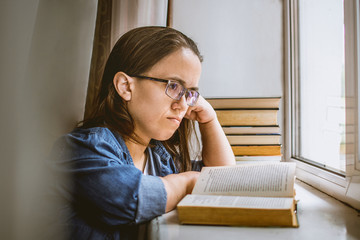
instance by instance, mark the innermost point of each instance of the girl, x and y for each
(129, 161)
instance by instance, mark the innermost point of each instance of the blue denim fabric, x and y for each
(106, 196)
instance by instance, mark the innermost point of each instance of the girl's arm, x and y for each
(177, 186)
(216, 148)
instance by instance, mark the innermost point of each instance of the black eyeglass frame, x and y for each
(184, 90)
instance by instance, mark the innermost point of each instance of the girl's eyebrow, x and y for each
(182, 82)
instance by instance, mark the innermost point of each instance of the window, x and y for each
(321, 92)
(322, 75)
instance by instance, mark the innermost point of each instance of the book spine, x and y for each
(253, 150)
(247, 117)
(269, 102)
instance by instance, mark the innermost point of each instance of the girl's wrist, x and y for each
(211, 123)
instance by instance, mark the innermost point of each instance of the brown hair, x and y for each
(135, 53)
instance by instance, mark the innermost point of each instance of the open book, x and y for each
(254, 194)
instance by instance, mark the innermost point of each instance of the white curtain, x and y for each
(45, 61)
(129, 14)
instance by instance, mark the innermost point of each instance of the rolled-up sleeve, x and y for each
(152, 198)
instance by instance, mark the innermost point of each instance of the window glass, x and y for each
(321, 83)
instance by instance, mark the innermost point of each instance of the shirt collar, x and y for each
(123, 146)
(161, 151)
(158, 148)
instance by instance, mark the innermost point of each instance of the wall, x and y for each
(46, 49)
(242, 44)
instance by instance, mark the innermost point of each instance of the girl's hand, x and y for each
(202, 112)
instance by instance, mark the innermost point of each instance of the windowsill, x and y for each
(320, 216)
(344, 189)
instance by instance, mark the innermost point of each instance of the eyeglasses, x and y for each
(176, 90)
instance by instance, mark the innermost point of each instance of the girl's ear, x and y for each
(123, 85)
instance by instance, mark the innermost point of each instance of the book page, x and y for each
(257, 179)
(237, 201)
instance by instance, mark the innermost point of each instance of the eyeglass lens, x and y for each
(176, 91)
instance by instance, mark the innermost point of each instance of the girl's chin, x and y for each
(164, 137)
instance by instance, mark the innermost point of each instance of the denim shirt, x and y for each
(107, 196)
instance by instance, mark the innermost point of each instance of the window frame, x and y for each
(343, 187)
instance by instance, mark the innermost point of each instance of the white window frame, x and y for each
(345, 188)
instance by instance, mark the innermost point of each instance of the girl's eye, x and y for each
(174, 86)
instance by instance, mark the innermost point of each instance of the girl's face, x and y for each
(155, 115)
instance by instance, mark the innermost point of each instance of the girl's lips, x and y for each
(176, 120)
